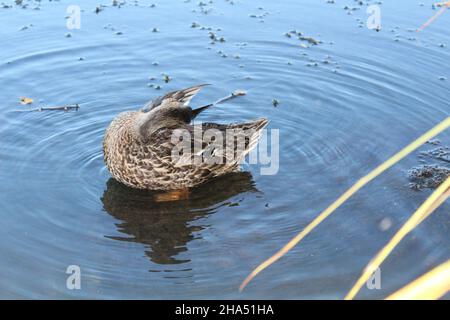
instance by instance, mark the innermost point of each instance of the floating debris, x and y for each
(314, 64)
(25, 100)
(434, 142)
(58, 108)
(109, 26)
(305, 40)
(166, 78)
(234, 94)
(275, 102)
(259, 16)
(239, 92)
(310, 40)
(427, 176)
(439, 153)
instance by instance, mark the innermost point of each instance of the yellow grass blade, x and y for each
(444, 6)
(433, 201)
(430, 286)
(357, 186)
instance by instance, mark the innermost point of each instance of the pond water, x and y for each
(345, 105)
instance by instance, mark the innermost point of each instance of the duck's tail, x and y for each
(253, 131)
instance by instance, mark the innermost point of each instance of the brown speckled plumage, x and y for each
(137, 145)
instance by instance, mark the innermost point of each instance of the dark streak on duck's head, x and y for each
(167, 115)
(170, 110)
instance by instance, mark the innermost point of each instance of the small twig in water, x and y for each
(61, 108)
(233, 95)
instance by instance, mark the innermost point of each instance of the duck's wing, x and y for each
(212, 156)
(239, 139)
(183, 97)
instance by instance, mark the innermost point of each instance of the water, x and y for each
(337, 120)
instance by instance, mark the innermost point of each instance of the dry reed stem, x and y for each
(425, 210)
(355, 188)
(430, 286)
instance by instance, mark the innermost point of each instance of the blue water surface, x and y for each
(345, 105)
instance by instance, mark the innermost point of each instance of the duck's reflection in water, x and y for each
(166, 226)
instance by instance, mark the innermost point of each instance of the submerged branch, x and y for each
(57, 108)
(233, 95)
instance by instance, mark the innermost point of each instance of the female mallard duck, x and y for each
(138, 145)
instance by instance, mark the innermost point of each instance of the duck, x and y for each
(138, 145)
